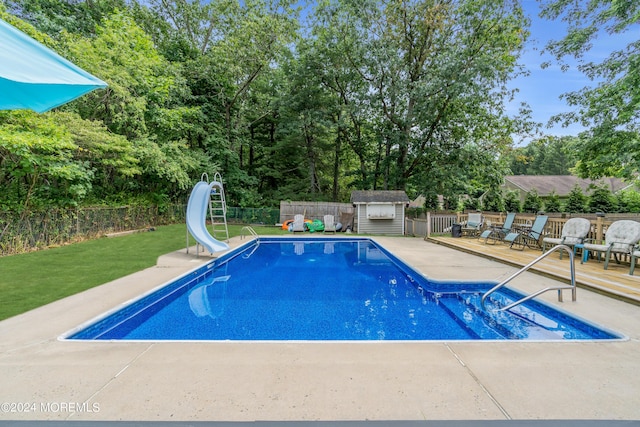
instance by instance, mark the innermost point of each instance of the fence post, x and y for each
(428, 234)
(599, 226)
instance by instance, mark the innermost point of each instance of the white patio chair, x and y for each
(298, 223)
(620, 239)
(574, 231)
(329, 224)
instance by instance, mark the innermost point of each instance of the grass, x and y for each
(30, 280)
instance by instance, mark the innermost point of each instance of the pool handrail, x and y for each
(559, 288)
(250, 230)
(254, 234)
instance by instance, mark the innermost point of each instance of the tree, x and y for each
(37, 167)
(55, 16)
(250, 37)
(470, 204)
(138, 76)
(493, 201)
(435, 74)
(546, 156)
(142, 104)
(576, 202)
(371, 95)
(601, 200)
(532, 202)
(611, 109)
(431, 202)
(512, 202)
(110, 158)
(628, 201)
(552, 204)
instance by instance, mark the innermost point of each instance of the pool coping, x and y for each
(332, 382)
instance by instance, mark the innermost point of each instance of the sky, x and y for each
(543, 87)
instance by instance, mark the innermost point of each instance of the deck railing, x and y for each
(440, 223)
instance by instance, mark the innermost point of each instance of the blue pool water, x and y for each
(327, 289)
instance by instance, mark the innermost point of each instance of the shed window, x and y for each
(378, 211)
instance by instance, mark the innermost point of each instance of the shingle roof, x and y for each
(562, 184)
(379, 196)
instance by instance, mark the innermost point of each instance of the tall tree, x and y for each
(546, 156)
(435, 73)
(75, 16)
(37, 167)
(611, 109)
(138, 104)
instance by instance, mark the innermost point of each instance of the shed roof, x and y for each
(379, 196)
(562, 184)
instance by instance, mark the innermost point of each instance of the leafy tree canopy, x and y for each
(610, 109)
(383, 94)
(545, 156)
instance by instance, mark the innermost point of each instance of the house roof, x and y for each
(379, 196)
(562, 184)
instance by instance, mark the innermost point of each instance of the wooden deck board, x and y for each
(615, 281)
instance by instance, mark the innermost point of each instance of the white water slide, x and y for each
(197, 216)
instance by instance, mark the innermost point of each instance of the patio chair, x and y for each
(528, 236)
(498, 232)
(574, 231)
(329, 224)
(473, 225)
(620, 239)
(298, 223)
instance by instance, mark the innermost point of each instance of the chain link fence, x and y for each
(28, 231)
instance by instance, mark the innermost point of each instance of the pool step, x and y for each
(477, 322)
(517, 323)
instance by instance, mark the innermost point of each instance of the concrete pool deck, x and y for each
(43, 378)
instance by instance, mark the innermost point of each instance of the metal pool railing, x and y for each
(251, 231)
(572, 286)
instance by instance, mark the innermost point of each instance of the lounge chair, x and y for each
(473, 225)
(298, 223)
(528, 237)
(329, 224)
(498, 232)
(574, 231)
(621, 238)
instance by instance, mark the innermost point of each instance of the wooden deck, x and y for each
(615, 281)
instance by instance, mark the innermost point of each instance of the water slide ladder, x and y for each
(218, 209)
(559, 288)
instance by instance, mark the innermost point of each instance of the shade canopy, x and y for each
(34, 77)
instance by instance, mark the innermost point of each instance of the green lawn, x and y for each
(34, 279)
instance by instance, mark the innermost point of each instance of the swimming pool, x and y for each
(330, 289)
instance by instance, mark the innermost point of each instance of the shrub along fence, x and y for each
(27, 231)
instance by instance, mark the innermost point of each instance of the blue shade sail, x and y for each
(34, 77)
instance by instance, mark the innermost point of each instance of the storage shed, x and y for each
(380, 212)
